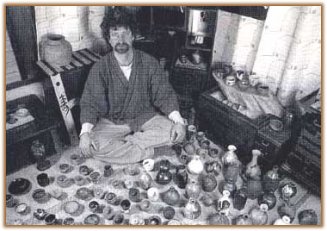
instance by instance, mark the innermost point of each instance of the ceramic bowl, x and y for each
(40, 196)
(84, 194)
(65, 168)
(73, 208)
(22, 209)
(19, 186)
(69, 221)
(92, 219)
(77, 159)
(276, 125)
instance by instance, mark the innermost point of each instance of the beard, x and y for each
(122, 48)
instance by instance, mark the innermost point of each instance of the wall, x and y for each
(12, 72)
(79, 24)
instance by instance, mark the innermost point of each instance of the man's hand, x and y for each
(177, 133)
(85, 144)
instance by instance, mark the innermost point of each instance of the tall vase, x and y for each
(253, 170)
(230, 156)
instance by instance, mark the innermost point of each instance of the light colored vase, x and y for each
(56, 50)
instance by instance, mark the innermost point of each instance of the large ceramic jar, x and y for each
(259, 215)
(55, 50)
(192, 189)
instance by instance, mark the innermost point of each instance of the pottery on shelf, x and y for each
(192, 209)
(192, 189)
(253, 170)
(40, 214)
(136, 219)
(259, 214)
(195, 166)
(40, 196)
(271, 180)
(55, 50)
(171, 196)
(19, 186)
(108, 170)
(145, 205)
(191, 133)
(207, 200)
(84, 194)
(92, 219)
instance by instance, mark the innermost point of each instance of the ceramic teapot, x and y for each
(271, 180)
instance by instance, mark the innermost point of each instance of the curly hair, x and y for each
(117, 18)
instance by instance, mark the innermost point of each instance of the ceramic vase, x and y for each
(259, 215)
(195, 166)
(171, 196)
(253, 170)
(271, 180)
(308, 217)
(192, 209)
(243, 219)
(192, 189)
(56, 50)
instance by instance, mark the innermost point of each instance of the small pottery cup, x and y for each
(50, 219)
(148, 164)
(108, 170)
(43, 179)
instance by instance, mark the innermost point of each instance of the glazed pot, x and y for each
(145, 180)
(224, 203)
(287, 210)
(195, 166)
(240, 199)
(192, 189)
(134, 195)
(208, 182)
(180, 177)
(254, 189)
(108, 170)
(189, 148)
(253, 170)
(285, 220)
(168, 212)
(55, 50)
(153, 194)
(164, 177)
(308, 217)
(218, 219)
(271, 180)
(259, 215)
(269, 199)
(192, 209)
(171, 196)
(243, 219)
